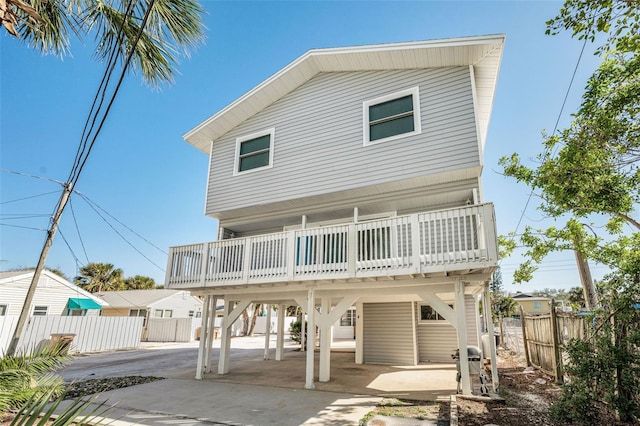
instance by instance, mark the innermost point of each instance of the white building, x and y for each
(352, 179)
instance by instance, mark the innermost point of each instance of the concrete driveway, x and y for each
(256, 391)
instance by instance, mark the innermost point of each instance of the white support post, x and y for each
(282, 311)
(465, 379)
(267, 334)
(201, 346)
(359, 333)
(312, 327)
(325, 340)
(486, 308)
(225, 338)
(210, 330)
(303, 333)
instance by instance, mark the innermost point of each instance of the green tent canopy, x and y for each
(79, 303)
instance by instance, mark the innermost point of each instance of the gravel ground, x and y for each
(90, 387)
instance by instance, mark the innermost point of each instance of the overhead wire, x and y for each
(29, 197)
(75, 221)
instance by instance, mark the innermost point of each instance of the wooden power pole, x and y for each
(24, 313)
(588, 287)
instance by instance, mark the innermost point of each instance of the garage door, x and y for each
(388, 333)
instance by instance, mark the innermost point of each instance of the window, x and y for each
(427, 313)
(537, 305)
(348, 318)
(392, 116)
(137, 312)
(40, 310)
(163, 313)
(254, 152)
(191, 314)
(199, 314)
(77, 312)
(3, 310)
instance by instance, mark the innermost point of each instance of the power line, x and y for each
(31, 176)
(29, 197)
(555, 128)
(24, 227)
(124, 239)
(91, 202)
(73, 214)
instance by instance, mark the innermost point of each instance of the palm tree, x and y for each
(98, 277)
(139, 282)
(173, 27)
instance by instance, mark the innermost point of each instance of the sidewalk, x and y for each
(194, 402)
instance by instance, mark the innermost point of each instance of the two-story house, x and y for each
(352, 177)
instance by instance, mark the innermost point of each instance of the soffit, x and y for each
(483, 52)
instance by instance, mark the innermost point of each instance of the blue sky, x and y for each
(142, 172)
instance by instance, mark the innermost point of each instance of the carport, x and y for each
(429, 382)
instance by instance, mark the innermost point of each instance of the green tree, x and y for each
(99, 277)
(139, 282)
(172, 29)
(589, 173)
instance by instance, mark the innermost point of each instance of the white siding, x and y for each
(50, 293)
(319, 138)
(438, 340)
(388, 333)
(180, 304)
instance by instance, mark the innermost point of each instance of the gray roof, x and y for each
(135, 298)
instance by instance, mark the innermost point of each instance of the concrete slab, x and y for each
(191, 402)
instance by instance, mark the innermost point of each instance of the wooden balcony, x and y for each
(460, 239)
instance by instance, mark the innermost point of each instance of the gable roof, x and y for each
(137, 298)
(13, 276)
(483, 52)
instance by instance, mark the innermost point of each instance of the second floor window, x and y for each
(392, 116)
(254, 151)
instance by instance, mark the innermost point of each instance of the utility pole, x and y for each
(24, 314)
(588, 288)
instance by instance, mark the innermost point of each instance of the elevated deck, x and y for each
(459, 240)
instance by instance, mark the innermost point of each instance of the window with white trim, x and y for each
(137, 312)
(3, 310)
(163, 313)
(428, 314)
(392, 116)
(254, 152)
(40, 310)
(348, 318)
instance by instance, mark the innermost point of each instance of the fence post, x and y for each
(524, 337)
(557, 361)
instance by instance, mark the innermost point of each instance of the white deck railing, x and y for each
(453, 239)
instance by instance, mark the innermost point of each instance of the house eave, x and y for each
(463, 51)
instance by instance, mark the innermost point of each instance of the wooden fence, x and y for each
(546, 337)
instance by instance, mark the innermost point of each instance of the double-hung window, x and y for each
(254, 152)
(392, 116)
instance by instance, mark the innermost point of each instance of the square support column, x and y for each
(465, 379)
(359, 333)
(282, 312)
(210, 330)
(486, 308)
(225, 338)
(311, 309)
(325, 340)
(201, 346)
(267, 334)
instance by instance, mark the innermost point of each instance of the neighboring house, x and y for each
(533, 304)
(350, 183)
(54, 295)
(160, 303)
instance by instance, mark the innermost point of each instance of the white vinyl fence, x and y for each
(172, 329)
(92, 334)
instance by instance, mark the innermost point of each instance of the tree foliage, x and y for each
(588, 173)
(139, 282)
(99, 277)
(173, 28)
